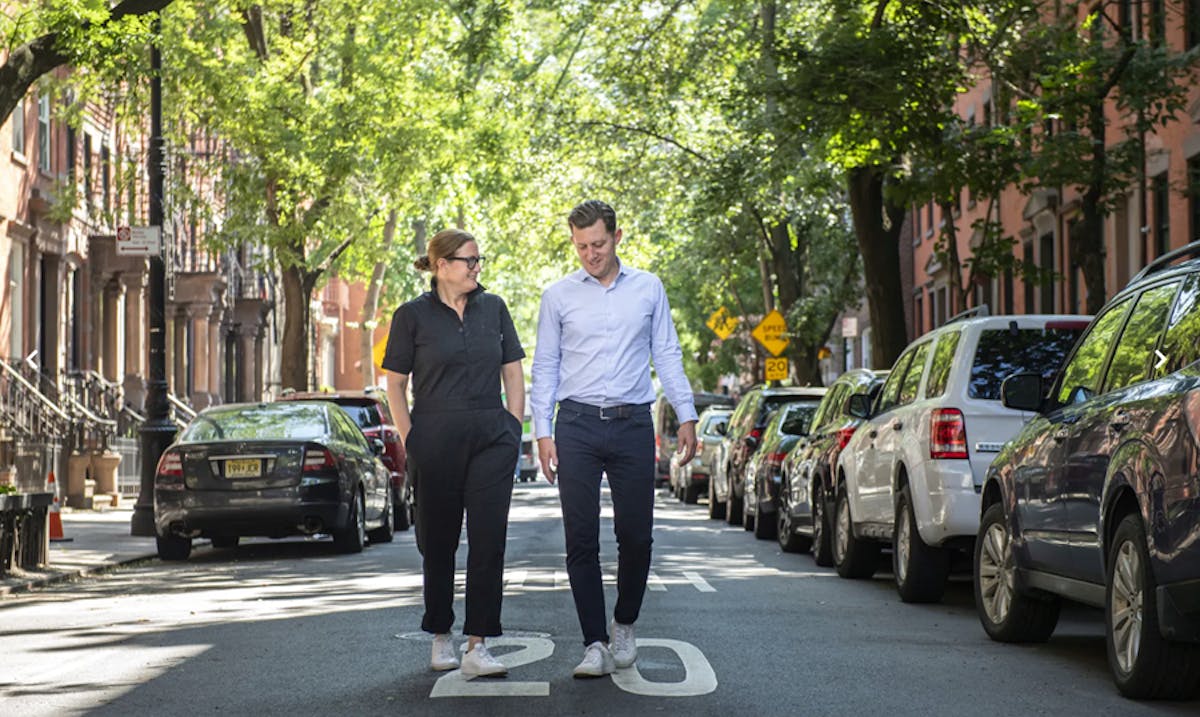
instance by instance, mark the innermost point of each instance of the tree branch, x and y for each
(649, 133)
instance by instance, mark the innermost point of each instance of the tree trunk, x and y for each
(293, 349)
(880, 249)
(371, 304)
(953, 259)
(1088, 250)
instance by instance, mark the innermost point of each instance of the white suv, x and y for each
(912, 472)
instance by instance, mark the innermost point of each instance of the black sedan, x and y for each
(274, 470)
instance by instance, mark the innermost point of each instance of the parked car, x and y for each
(806, 478)
(666, 429)
(912, 472)
(690, 479)
(784, 430)
(370, 410)
(274, 470)
(1097, 500)
(726, 493)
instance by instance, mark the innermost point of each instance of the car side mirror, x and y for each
(751, 442)
(377, 446)
(859, 406)
(1022, 391)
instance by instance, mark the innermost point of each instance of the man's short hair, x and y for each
(588, 213)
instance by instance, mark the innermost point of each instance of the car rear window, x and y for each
(365, 415)
(272, 421)
(798, 420)
(1003, 352)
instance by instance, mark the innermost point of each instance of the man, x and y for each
(597, 330)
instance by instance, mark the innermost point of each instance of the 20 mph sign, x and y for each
(138, 241)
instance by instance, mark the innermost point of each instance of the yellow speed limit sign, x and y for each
(777, 369)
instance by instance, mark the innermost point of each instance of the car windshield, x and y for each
(366, 415)
(282, 421)
(1003, 352)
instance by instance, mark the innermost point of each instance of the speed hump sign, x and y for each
(777, 369)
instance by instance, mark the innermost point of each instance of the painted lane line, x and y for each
(700, 583)
(655, 583)
(516, 579)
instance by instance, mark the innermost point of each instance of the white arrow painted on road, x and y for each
(1162, 360)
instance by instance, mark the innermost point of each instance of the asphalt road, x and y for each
(730, 626)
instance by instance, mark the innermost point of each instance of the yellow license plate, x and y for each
(243, 468)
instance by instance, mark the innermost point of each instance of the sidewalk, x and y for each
(98, 540)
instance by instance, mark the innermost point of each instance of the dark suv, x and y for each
(726, 487)
(370, 411)
(1097, 499)
(806, 483)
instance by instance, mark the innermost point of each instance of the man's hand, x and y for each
(548, 457)
(687, 442)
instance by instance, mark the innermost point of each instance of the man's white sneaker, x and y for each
(478, 662)
(443, 657)
(597, 661)
(622, 644)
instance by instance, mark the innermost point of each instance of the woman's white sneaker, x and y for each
(622, 644)
(443, 657)
(597, 661)
(478, 662)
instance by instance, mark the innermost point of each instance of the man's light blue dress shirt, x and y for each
(594, 345)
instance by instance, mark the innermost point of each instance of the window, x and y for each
(1048, 264)
(366, 415)
(16, 292)
(1191, 23)
(1194, 195)
(1027, 259)
(943, 361)
(1181, 345)
(929, 218)
(44, 133)
(18, 124)
(912, 378)
(70, 151)
(1131, 361)
(1158, 22)
(106, 179)
(919, 313)
(831, 406)
(1162, 215)
(1001, 353)
(1125, 19)
(1008, 291)
(87, 166)
(1081, 377)
(891, 390)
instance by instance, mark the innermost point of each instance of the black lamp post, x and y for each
(158, 431)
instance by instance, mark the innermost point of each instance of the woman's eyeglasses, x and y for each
(472, 261)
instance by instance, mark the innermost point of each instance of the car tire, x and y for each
(734, 508)
(352, 536)
(173, 547)
(716, 509)
(748, 520)
(785, 533)
(1007, 614)
(766, 526)
(920, 569)
(1144, 664)
(691, 494)
(385, 532)
(853, 557)
(822, 540)
(402, 515)
(225, 542)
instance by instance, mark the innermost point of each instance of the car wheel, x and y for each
(789, 541)
(822, 544)
(765, 526)
(716, 509)
(748, 520)
(1007, 615)
(734, 508)
(384, 533)
(691, 493)
(920, 569)
(853, 557)
(1143, 663)
(352, 536)
(225, 542)
(173, 547)
(402, 515)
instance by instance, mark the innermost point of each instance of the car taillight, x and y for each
(776, 459)
(844, 435)
(947, 434)
(317, 460)
(170, 465)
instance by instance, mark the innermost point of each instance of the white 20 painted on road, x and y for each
(700, 678)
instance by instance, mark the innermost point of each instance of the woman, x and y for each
(456, 340)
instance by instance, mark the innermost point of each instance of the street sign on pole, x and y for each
(771, 331)
(777, 369)
(138, 241)
(722, 323)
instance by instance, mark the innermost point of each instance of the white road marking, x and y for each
(655, 583)
(700, 583)
(516, 579)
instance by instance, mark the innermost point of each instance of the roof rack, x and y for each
(1164, 261)
(971, 313)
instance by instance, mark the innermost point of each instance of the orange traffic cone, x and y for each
(56, 526)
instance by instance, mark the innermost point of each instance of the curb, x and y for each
(70, 575)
